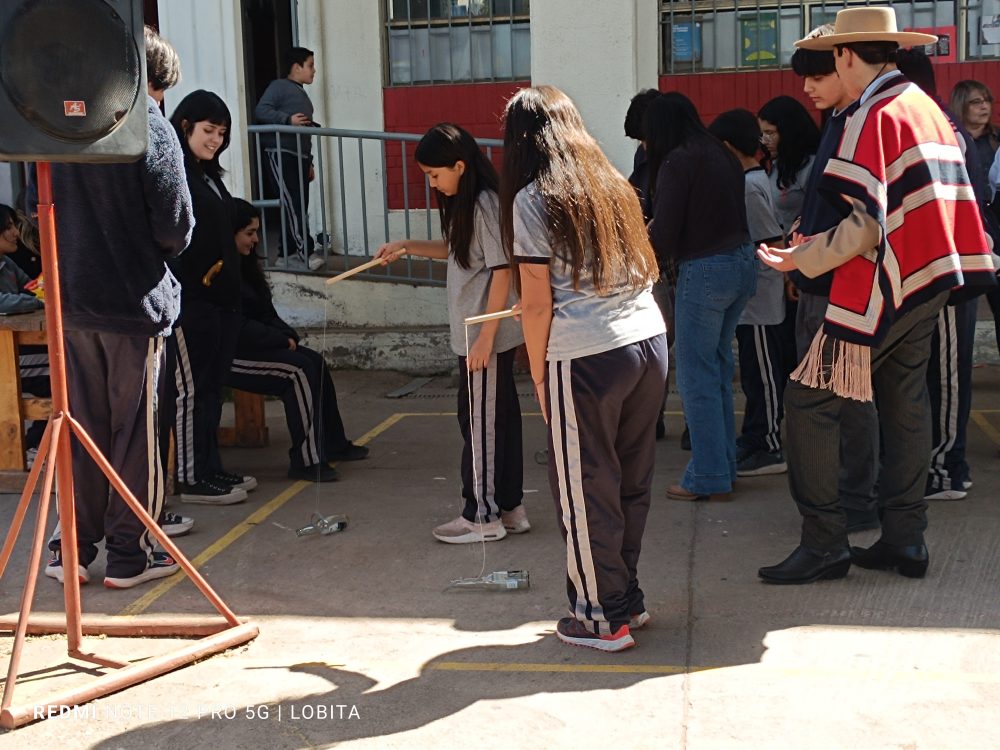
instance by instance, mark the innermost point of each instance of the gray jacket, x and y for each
(13, 298)
(282, 99)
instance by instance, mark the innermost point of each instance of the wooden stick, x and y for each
(365, 266)
(475, 319)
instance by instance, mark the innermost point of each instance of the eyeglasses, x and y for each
(980, 100)
(767, 137)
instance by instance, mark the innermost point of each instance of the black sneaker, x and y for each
(351, 453)
(236, 481)
(760, 463)
(174, 524)
(210, 493)
(161, 566)
(54, 569)
(316, 473)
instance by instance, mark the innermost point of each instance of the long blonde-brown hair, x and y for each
(588, 204)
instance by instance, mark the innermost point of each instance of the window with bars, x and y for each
(445, 41)
(709, 35)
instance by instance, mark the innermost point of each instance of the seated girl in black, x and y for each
(270, 360)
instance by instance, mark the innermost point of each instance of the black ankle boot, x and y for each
(911, 561)
(806, 565)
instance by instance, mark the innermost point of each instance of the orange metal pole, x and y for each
(17, 716)
(22, 506)
(31, 577)
(62, 455)
(151, 524)
(114, 626)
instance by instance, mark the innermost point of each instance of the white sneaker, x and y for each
(161, 566)
(54, 569)
(315, 261)
(461, 531)
(516, 521)
(637, 621)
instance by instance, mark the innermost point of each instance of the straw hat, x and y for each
(866, 25)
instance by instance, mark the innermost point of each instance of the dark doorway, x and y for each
(267, 36)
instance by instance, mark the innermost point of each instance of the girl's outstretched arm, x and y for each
(536, 318)
(424, 248)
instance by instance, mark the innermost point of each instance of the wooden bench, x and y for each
(16, 331)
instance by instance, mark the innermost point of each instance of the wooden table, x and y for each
(15, 331)
(249, 430)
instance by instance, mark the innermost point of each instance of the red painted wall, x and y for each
(477, 107)
(714, 93)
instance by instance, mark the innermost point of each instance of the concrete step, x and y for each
(416, 350)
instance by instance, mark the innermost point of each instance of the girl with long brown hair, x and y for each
(597, 349)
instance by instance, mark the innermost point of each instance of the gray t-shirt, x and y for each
(788, 200)
(469, 288)
(583, 322)
(767, 306)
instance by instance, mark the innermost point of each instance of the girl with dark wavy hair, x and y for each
(489, 415)
(597, 348)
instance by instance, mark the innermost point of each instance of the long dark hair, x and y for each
(250, 269)
(445, 145)
(202, 106)
(671, 121)
(798, 136)
(8, 217)
(588, 204)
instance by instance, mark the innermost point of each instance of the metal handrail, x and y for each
(358, 237)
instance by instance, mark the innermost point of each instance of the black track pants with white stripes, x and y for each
(763, 378)
(115, 385)
(602, 441)
(949, 385)
(291, 175)
(203, 343)
(494, 440)
(302, 380)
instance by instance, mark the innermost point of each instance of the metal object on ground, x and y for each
(323, 525)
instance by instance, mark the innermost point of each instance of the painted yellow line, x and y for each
(991, 432)
(247, 524)
(143, 602)
(469, 666)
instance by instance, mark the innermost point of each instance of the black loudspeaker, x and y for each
(72, 81)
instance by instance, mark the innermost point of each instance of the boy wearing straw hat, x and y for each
(910, 233)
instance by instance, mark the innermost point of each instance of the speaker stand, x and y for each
(54, 453)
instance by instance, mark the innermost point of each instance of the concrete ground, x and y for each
(363, 644)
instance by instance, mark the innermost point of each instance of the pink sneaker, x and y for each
(516, 521)
(461, 531)
(570, 630)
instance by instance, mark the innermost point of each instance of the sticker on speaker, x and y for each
(75, 109)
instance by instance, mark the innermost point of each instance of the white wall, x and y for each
(600, 54)
(208, 37)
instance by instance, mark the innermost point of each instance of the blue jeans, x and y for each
(711, 295)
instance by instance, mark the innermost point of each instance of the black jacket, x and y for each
(211, 242)
(262, 328)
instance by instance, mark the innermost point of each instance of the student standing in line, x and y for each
(479, 282)
(699, 225)
(205, 336)
(859, 434)
(758, 335)
(119, 224)
(597, 348)
(285, 102)
(949, 369)
(269, 359)
(907, 232)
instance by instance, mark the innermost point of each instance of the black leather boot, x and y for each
(911, 561)
(806, 565)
